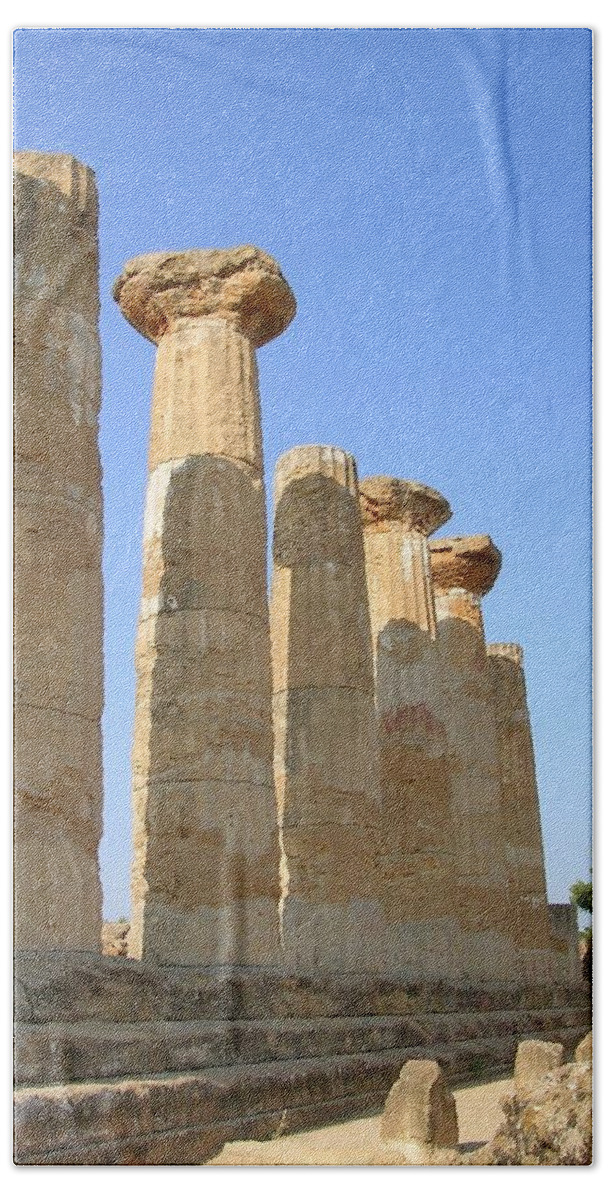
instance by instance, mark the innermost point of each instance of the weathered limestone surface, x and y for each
(326, 765)
(533, 1061)
(549, 1125)
(584, 1050)
(520, 812)
(463, 570)
(205, 874)
(418, 846)
(420, 1107)
(58, 539)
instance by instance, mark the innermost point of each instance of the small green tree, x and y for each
(581, 894)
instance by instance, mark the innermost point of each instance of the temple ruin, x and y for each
(337, 855)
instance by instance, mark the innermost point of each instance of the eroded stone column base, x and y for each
(245, 931)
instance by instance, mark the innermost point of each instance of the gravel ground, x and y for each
(357, 1143)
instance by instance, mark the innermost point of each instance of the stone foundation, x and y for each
(118, 1062)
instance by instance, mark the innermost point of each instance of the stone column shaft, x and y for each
(206, 867)
(206, 396)
(58, 543)
(415, 828)
(464, 569)
(326, 766)
(520, 808)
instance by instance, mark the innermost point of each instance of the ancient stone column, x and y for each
(326, 765)
(205, 875)
(464, 569)
(520, 811)
(58, 540)
(418, 847)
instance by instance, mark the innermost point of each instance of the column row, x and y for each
(342, 781)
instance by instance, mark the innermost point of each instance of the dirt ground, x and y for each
(357, 1143)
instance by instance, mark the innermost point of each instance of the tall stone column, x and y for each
(464, 569)
(326, 766)
(520, 810)
(206, 860)
(418, 845)
(58, 541)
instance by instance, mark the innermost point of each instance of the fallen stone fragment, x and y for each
(551, 1125)
(420, 1108)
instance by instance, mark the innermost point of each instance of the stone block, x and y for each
(584, 1050)
(534, 1059)
(420, 1108)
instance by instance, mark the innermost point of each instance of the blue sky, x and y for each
(427, 194)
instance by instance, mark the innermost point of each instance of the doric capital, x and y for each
(420, 509)
(508, 650)
(470, 563)
(243, 286)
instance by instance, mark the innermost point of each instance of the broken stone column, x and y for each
(418, 846)
(326, 766)
(206, 859)
(520, 812)
(58, 542)
(464, 569)
(420, 1107)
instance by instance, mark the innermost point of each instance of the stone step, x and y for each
(185, 1119)
(58, 986)
(62, 1052)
